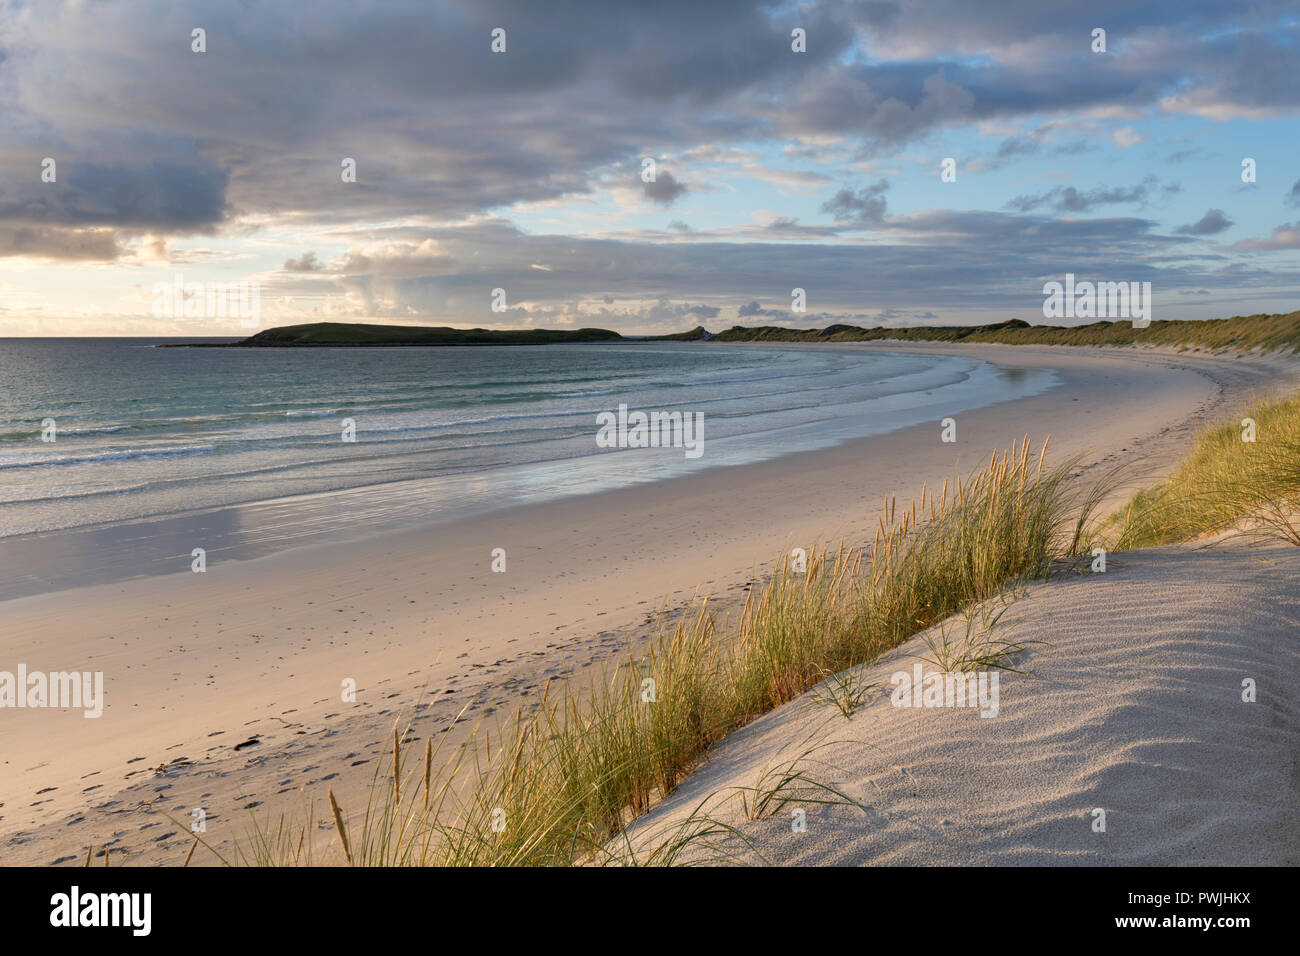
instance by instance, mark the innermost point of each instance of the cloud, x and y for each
(1212, 223)
(1241, 73)
(1016, 146)
(1293, 197)
(755, 308)
(1013, 148)
(664, 189)
(155, 143)
(306, 263)
(785, 227)
(863, 208)
(668, 310)
(255, 129)
(161, 196)
(393, 260)
(275, 108)
(1127, 137)
(798, 180)
(65, 244)
(941, 260)
(1068, 199)
(1284, 237)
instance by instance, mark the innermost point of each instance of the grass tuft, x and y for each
(978, 646)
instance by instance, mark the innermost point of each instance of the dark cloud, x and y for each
(1068, 199)
(408, 89)
(1293, 197)
(753, 309)
(865, 207)
(787, 228)
(1212, 223)
(664, 189)
(66, 244)
(1016, 146)
(1074, 148)
(161, 195)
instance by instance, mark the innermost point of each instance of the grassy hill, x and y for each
(357, 334)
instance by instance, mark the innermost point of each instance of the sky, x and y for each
(1171, 156)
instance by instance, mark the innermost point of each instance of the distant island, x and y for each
(1266, 332)
(353, 334)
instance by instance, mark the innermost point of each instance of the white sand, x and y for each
(195, 664)
(1134, 706)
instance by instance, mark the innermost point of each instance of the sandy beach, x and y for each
(224, 691)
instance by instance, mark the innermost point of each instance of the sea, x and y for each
(113, 451)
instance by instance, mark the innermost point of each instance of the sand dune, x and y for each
(1134, 707)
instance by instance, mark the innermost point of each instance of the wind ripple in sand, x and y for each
(1135, 708)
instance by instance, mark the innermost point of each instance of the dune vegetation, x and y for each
(1242, 473)
(558, 784)
(1242, 332)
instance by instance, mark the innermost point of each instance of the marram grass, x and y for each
(1226, 482)
(559, 785)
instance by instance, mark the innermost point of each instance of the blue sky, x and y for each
(521, 169)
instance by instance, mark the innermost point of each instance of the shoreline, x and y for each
(43, 560)
(259, 648)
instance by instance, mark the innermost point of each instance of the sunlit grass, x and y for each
(559, 784)
(1226, 482)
